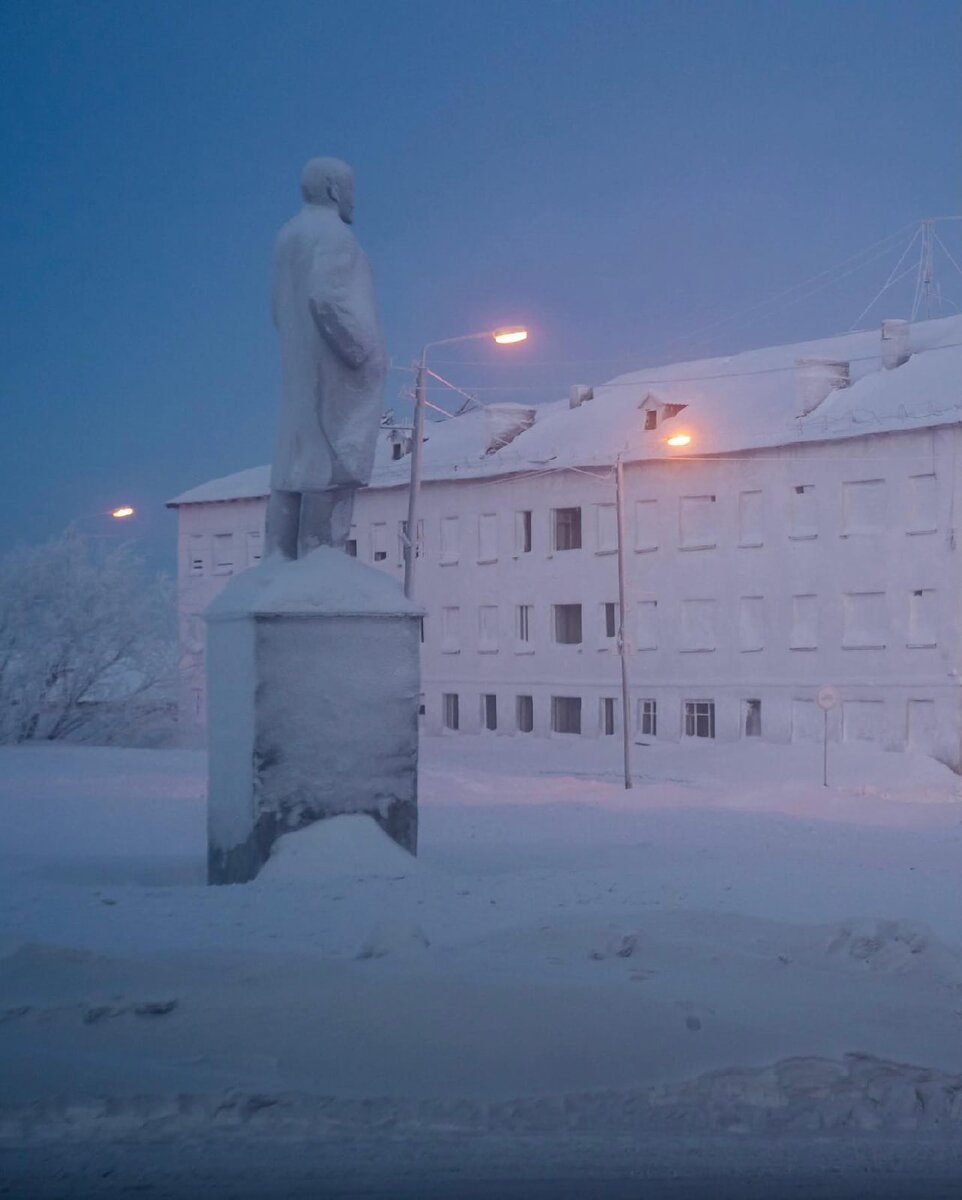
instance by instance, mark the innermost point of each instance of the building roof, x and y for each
(739, 402)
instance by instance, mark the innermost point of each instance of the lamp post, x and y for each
(504, 337)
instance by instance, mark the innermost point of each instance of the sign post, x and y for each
(826, 698)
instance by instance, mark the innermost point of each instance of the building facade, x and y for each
(761, 564)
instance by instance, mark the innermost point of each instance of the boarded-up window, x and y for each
(646, 625)
(566, 714)
(567, 624)
(750, 518)
(864, 620)
(922, 617)
(921, 725)
(646, 525)
(807, 721)
(197, 554)
(223, 554)
(923, 510)
(487, 538)
(606, 522)
(450, 629)
(379, 541)
(697, 522)
(862, 720)
(803, 516)
(804, 634)
(864, 507)
(524, 713)
(751, 623)
(488, 628)
(450, 540)
(699, 624)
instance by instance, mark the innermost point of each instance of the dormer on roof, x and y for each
(657, 411)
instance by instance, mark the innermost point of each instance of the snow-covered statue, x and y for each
(332, 365)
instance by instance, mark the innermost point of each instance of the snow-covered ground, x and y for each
(727, 949)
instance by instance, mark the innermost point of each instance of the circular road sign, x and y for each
(826, 697)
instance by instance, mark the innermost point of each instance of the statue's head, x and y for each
(329, 183)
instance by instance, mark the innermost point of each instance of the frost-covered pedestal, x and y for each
(313, 690)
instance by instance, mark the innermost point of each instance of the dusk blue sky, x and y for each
(615, 175)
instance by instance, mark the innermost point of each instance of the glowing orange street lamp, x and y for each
(506, 336)
(679, 439)
(121, 514)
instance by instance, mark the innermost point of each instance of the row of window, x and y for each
(860, 720)
(224, 553)
(698, 625)
(566, 715)
(864, 510)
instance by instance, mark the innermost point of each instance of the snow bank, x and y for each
(346, 847)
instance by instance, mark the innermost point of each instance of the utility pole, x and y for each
(417, 442)
(622, 648)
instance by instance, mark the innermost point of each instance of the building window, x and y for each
(421, 629)
(452, 717)
(255, 547)
(700, 718)
(523, 628)
(923, 511)
(609, 620)
(489, 711)
(750, 519)
(863, 507)
(751, 623)
(522, 531)
(566, 528)
(648, 718)
(567, 624)
(223, 554)
(607, 715)
(421, 705)
(379, 541)
(699, 620)
(450, 629)
(862, 720)
(864, 621)
(196, 554)
(753, 718)
(488, 629)
(402, 538)
(922, 618)
(487, 538)
(606, 521)
(697, 522)
(566, 714)
(646, 525)
(804, 623)
(651, 418)
(350, 547)
(804, 514)
(450, 540)
(646, 628)
(524, 713)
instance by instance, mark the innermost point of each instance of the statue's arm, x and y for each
(342, 304)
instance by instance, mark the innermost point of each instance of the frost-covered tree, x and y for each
(87, 642)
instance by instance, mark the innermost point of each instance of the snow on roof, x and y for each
(739, 402)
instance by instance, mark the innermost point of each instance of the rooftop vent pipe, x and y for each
(896, 343)
(578, 394)
(815, 379)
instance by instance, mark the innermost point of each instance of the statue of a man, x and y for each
(332, 365)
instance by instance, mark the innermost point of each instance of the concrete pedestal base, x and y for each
(313, 690)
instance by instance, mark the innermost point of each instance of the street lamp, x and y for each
(504, 337)
(679, 439)
(122, 513)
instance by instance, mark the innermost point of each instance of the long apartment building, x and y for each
(805, 534)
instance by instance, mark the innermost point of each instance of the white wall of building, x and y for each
(756, 576)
